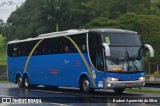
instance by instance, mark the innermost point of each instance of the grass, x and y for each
(5, 81)
(2, 51)
(3, 58)
(142, 90)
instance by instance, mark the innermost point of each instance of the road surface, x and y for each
(73, 97)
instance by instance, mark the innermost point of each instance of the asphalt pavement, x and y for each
(73, 97)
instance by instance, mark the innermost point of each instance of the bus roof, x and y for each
(73, 32)
(113, 30)
(51, 35)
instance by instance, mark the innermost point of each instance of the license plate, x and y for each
(129, 85)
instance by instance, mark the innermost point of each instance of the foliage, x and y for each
(1, 26)
(44, 16)
(36, 17)
(118, 7)
(143, 90)
(22, 22)
(149, 29)
(2, 42)
(3, 58)
(155, 73)
(2, 50)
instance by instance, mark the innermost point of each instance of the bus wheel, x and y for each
(26, 82)
(119, 90)
(20, 83)
(85, 85)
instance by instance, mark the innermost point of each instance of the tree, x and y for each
(22, 22)
(52, 13)
(1, 25)
(45, 16)
(118, 7)
(155, 7)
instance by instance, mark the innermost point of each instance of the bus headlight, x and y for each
(112, 79)
(141, 78)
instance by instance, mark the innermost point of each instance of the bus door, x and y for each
(96, 52)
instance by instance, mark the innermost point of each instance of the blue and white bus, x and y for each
(88, 59)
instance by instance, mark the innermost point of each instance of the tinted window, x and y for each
(122, 39)
(48, 46)
(80, 40)
(10, 50)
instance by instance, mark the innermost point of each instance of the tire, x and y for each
(119, 90)
(26, 82)
(85, 85)
(20, 82)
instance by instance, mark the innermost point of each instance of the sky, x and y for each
(8, 6)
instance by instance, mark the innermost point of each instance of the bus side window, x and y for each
(54, 46)
(20, 49)
(66, 49)
(46, 46)
(65, 46)
(24, 50)
(15, 50)
(10, 50)
(83, 48)
(80, 41)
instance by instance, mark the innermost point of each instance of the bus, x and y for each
(87, 59)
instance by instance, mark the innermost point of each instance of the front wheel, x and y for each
(85, 85)
(119, 90)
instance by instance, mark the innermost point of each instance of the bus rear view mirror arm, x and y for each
(107, 49)
(149, 47)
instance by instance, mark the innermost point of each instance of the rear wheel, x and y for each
(119, 90)
(26, 82)
(85, 85)
(19, 82)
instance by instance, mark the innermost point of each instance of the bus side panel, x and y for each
(56, 69)
(15, 65)
(73, 67)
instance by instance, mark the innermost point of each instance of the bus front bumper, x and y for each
(124, 84)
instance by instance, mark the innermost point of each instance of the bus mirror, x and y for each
(149, 47)
(107, 49)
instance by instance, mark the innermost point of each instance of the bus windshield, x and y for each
(122, 39)
(126, 53)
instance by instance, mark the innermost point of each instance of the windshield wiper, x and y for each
(135, 65)
(130, 59)
(127, 58)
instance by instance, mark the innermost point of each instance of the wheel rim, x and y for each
(19, 82)
(86, 85)
(26, 82)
